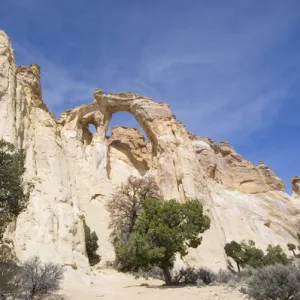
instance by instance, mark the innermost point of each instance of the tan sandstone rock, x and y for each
(75, 173)
(296, 186)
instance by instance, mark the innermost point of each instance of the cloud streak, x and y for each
(213, 68)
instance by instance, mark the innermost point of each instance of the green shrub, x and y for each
(247, 255)
(275, 255)
(276, 282)
(184, 276)
(14, 191)
(193, 276)
(225, 276)
(207, 276)
(91, 243)
(292, 248)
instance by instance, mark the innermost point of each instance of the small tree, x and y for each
(163, 229)
(14, 192)
(126, 203)
(275, 255)
(252, 256)
(234, 250)
(292, 248)
(38, 278)
(91, 244)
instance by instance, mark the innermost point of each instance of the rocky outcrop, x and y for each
(128, 154)
(223, 165)
(75, 173)
(296, 186)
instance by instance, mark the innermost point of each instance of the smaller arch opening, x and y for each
(92, 128)
(88, 131)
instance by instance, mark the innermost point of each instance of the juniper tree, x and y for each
(14, 191)
(163, 229)
(292, 248)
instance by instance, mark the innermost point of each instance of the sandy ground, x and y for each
(112, 285)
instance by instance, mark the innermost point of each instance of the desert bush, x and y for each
(184, 276)
(206, 275)
(39, 278)
(225, 276)
(91, 244)
(275, 282)
(246, 273)
(193, 276)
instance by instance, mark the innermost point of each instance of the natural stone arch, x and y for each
(151, 116)
(177, 171)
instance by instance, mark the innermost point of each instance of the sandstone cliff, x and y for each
(75, 172)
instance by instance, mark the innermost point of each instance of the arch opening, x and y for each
(124, 119)
(89, 129)
(129, 149)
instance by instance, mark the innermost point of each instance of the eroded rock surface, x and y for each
(223, 165)
(75, 173)
(296, 186)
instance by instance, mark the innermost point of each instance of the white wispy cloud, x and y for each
(218, 74)
(215, 70)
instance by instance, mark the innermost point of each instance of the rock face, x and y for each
(75, 172)
(223, 165)
(296, 186)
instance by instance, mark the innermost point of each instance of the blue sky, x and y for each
(230, 70)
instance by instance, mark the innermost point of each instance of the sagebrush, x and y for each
(275, 282)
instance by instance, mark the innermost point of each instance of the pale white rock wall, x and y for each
(266, 218)
(7, 89)
(75, 173)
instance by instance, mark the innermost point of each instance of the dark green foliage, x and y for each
(186, 276)
(252, 256)
(275, 255)
(163, 229)
(207, 276)
(193, 276)
(234, 250)
(246, 254)
(274, 283)
(292, 248)
(14, 192)
(91, 243)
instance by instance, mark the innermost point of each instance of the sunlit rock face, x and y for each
(75, 172)
(296, 186)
